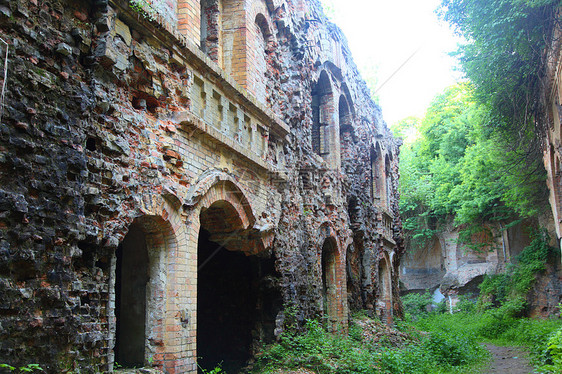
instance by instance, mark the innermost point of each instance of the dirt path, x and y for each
(508, 360)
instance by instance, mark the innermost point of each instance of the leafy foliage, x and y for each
(496, 315)
(417, 304)
(458, 169)
(478, 158)
(554, 354)
(29, 368)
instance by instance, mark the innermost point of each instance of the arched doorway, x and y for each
(385, 291)
(132, 274)
(329, 282)
(141, 279)
(237, 302)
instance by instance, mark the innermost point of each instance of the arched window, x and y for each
(330, 282)
(385, 291)
(235, 304)
(388, 180)
(210, 35)
(346, 128)
(376, 177)
(322, 115)
(139, 290)
(258, 57)
(344, 114)
(232, 51)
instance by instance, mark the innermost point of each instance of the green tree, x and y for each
(504, 58)
(458, 170)
(504, 53)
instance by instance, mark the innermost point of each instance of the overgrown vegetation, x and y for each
(476, 159)
(486, 327)
(430, 340)
(504, 57)
(359, 352)
(496, 316)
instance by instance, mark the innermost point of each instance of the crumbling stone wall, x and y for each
(115, 121)
(457, 269)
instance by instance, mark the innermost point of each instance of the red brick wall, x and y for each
(189, 19)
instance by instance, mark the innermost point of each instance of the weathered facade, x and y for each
(181, 177)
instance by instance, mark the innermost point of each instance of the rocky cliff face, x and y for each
(157, 175)
(456, 269)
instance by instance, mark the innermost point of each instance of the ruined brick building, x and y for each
(180, 178)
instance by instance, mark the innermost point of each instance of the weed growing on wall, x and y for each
(29, 368)
(144, 8)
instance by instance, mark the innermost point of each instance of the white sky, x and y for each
(382, 34)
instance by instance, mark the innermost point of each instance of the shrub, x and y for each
(417, 305)
(466, 304)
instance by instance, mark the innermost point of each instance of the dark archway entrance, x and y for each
(130, 296)
(237, 300)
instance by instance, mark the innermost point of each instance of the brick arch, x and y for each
(214, 190)
(377, 173)
(263, 24)
(325, 232)
(344, 111)
(332, 270)
(323, 82)
(260, 36)
(259, 7)
(347, 136)
(220, 186)
(233, 41)
(332, 70)
(162, 243)
(163, 231)
(388, 187)
(345, 91)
